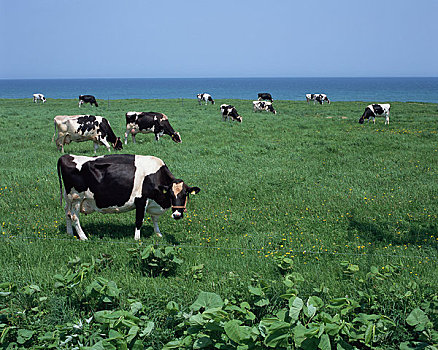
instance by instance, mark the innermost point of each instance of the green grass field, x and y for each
(310, 184)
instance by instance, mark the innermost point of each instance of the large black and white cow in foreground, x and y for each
(265, 96)
(321, 98)
(206, 98)
(119, 183)
(39, 97)
(149, 122)
(263, 106)
(87, 99)
(228, 112)
(80, 128)
(376, 110)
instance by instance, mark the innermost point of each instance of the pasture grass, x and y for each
(309, 183)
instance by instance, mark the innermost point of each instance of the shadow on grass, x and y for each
(105, 231)
(412, 233)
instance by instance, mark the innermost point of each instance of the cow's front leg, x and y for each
(156, 228)
(96, 146)
(106, 144)
(133, 138)
(140, 205)
(387, 120)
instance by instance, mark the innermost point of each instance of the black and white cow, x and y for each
(265, 96)
(206, 98)
(120, 183)
(263, 106)
(39, 97)
(148, 122)
(80, 128)
(376, 110)
(87, 99)
(321, 98)
(228, 112)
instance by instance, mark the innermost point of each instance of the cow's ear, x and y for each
(163, 189)
(193, 190)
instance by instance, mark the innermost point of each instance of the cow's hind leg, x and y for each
(156, 228)
(74, 216)
(68, 222)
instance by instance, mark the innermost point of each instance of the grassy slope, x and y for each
(304, 183)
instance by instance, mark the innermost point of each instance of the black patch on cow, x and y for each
(152, 183)
(265, 96)
(88, 99)
(271, 108)
(110, 178)
(107, 132)
(86, 123)
(378, 110)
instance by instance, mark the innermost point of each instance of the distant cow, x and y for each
(263, 106)
(376, 110)
(87, 99)
(80, 128)
(228, 112)
(205, 97)
(149, 122)
(119, 183)
(265, 96)
(321, 98)
(39, 97)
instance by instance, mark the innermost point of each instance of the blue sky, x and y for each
(227, 38)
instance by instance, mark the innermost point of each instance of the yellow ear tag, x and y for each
(193, 192)
(164, 191)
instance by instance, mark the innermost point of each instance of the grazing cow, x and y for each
(263, 106)
(38, 97)
(265, 96)
(205, 97)
(228, 112)
(119, 183)
(147, 122)
(317, 97)
(87, 99)
(376, 110)
(80, 128)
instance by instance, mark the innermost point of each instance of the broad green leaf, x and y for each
(296, 305)
(277, 335)
(236, 332)
(417, 317)
(324, 343)
(202, 343)
(369, 333)
(148, 329)
(207, 300)
(133, 331)
(136, 307)
(23, 335)
(262, 302)
(255, 290)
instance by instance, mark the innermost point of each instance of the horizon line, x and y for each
(274, 77)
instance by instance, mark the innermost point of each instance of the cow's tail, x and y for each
(60, 180)
(53, 137)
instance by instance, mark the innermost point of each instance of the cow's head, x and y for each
(238, 118)
(271, 109)
(176, 137)
(118, 144)
(178, 193)
(361, 120)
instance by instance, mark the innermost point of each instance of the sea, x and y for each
(337, 89)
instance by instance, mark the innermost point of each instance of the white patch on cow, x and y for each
(81, 160)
